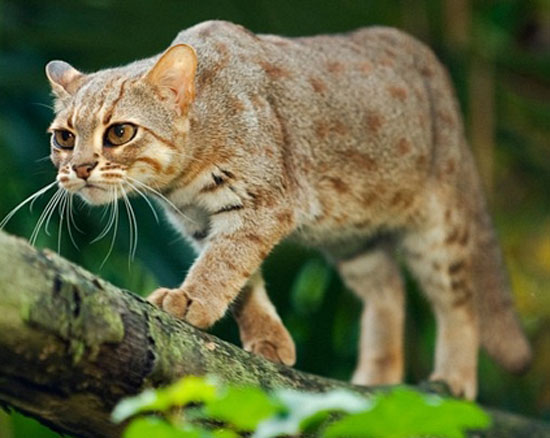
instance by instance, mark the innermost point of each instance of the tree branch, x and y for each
(71, 345)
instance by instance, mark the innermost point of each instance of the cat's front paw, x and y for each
(178, 303)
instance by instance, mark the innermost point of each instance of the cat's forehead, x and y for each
(97, 96)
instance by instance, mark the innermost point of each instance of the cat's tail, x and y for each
(501, 333)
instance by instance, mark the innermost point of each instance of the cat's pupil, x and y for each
(119, 130)
(65, 135)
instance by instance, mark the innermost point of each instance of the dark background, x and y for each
(498, 53)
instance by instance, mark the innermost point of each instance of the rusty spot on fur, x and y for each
(323, 128)
(363, 160)
(368, 198)
(427, 71)
(446, 118)
(111, 175)
(151, 162)
(399, 93)
(339, 185)
(453, 237)
(274, 71)
(421, 162)
(236, 104)
(450, 166)
(464, 238)
(335, 67)
(318, 85)
(456, 267)
(253, 238)
(386, 62)
(390, 53)
(404, 146)
(64, 179)
(284, 217)
(365, 67)
(374, 122)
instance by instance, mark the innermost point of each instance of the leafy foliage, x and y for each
(216, 411)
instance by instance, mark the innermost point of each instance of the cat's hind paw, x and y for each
(276, 346)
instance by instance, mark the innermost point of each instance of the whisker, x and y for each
(71, 216)
(62, 209)
(111, 209)
(38, 160)
(46, 213)
(26, 201)
(132, 221)
(50, 214)
(164, 198)
(139, 192)
(70, 220)
(45, 105)
(115, 216)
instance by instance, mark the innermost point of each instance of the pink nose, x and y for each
(84, 170)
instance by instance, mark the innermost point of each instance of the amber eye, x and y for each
(119, 134)
(63, 139)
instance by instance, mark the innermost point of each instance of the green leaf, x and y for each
(404, 413)
(304, 410)
(187, 390)
(242, 407)
(310, 286)
(149, 427)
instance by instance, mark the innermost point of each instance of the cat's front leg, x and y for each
(223, 268)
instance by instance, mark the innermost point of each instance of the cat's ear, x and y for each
(64, 78)
(175, 73)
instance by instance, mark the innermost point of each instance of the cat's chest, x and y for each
(190, 220)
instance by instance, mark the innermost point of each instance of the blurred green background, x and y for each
(498, 53)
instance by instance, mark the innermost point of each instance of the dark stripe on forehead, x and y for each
(109, 113)
(70, 119)
(168, 143)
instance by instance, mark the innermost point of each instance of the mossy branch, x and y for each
(72, 345)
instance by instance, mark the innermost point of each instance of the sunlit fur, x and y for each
(350, 143)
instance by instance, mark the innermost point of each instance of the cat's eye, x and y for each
(119, 134)
(63, 139)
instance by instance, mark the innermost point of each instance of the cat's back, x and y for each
(368, 93)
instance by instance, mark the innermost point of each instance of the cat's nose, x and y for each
(84, 170)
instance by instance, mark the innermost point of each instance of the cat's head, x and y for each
(118, 129)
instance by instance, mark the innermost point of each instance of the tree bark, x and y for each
(72, 345)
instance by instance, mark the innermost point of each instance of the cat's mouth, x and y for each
(95, 194)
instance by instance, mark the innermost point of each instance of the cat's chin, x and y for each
(95, 195)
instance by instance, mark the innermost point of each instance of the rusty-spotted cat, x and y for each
(350, 143)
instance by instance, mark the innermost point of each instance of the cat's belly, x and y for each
(341, 243)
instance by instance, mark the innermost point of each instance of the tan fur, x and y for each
(350, 143)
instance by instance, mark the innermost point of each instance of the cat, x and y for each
(350, 143)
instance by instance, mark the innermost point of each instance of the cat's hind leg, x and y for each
(438, 252)
(376, 279)
(261, 329)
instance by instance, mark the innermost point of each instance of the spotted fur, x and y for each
(350, 143)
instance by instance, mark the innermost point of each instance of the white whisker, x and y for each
(140, 193)
(46, 213)
(115, 216)
(26, 201)
(62, 209)
(161, 196)
(70, 220)
(71, 216)
(132, 222)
